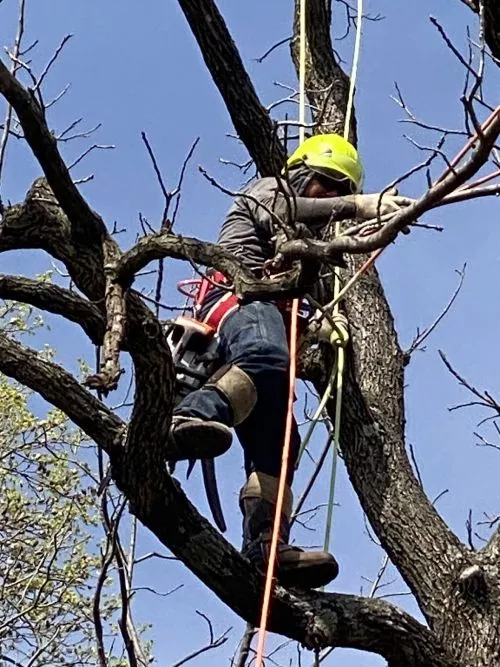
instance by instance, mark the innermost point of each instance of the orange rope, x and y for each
(266, 603)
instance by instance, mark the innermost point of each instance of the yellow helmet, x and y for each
(332, 156)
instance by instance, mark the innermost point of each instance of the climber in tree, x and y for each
(322, 182)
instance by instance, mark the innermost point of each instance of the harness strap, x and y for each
(228, 303)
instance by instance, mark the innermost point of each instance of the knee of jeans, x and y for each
(264, 355)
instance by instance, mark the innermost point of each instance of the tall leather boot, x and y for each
(295, 567)
(194, 437)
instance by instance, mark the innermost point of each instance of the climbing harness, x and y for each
(195, 347)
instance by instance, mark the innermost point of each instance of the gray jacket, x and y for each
(254, 218)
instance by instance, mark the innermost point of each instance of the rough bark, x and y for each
(56, 300)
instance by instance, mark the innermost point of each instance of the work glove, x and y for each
(372, 206)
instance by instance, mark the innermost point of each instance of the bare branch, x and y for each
(52, 60)
(486, 400)
(214, 642)
(16, 52)
(44, 146)
(422, 335)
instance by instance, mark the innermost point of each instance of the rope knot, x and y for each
(340, 333)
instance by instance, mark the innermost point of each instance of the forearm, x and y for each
(312, 211)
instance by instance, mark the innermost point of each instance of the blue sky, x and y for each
(135, 68)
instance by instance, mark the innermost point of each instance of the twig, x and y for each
(421, 336)
(89, 150)
(440, 495)
(178, 188)
(157, 303)
(415, 465)
(15, 67)
(52, 60)
(312, 479)
(468, 525)
(400, 101)
(486, 443)
(166, 194)
(286, 40)
(215, 642)
(486, 400)
(154, 554)
(56, 99)
(379, 577)
(84, 134)
(451, 46)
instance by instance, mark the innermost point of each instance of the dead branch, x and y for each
(422, 335)
(107, 378)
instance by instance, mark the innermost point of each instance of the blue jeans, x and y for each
(254, 338)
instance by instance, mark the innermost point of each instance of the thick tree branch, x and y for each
(56, 300)
(250, 119)
(62, 390)
(245, 284)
